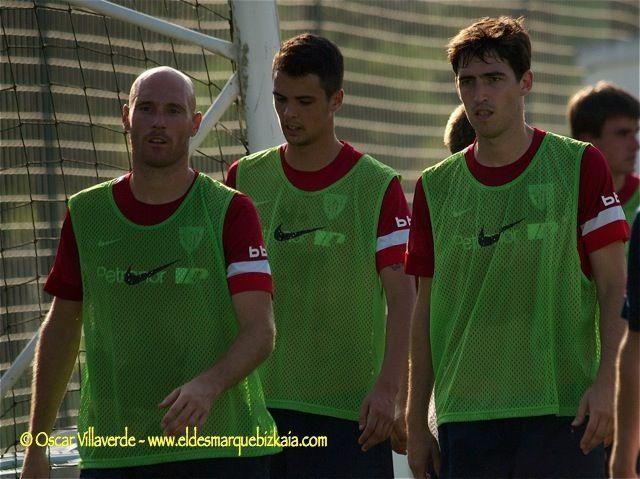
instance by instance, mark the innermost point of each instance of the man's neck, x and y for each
(313, 157)
(618, 181)
(504, 149)
(157, 186)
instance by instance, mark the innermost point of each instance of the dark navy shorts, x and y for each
(342, 458)
(533, 447)
(222, 468)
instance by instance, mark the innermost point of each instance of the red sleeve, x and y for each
(419, 259)
(600, 216)
(244, 251)
(232, 172)
(64, 280)
(393, 227)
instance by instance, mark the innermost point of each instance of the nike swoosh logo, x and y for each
(132, 279)
(280, 235)
(489, 240)
(107, 243)
(458, 213)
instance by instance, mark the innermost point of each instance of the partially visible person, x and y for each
(607, 116)
(458, 134)
(625, 457)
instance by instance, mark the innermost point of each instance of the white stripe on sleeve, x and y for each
(605, 217)
(242, 267)
(399, 237)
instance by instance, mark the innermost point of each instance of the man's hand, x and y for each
(377, 414)
(36, 464)
(399, 434)
(189, 406)
(422, 451)
(597, 402)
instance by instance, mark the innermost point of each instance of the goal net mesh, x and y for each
(65, 74)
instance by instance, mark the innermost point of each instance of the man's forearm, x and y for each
(421, 366)
(252, 345)
(609, 273)
(627, 429)
(249, 349)
(54, 361)
(394, 371)
(612, 329)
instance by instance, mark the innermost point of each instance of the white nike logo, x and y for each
(457, 213)
(101, 244)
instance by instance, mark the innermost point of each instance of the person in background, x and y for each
(606, 116)
(458, 134)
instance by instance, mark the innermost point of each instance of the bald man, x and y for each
(165, 272)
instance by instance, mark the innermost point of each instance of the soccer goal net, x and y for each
(66, 69)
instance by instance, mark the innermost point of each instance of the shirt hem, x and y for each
(506, 414)
(314, 409)
(162, 458)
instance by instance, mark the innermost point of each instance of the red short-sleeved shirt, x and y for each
(241, 231)
(598, 225)
(394, 219)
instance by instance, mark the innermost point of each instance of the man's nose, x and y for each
(159, 120)
(290, 111)
(479, 93)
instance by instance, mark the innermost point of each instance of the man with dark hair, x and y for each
(458, 134)
(156, 268)
(625, 457)
(607, 116)
(516, 248)
(336, 224)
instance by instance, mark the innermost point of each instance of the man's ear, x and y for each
(335, 102)
(526, 82)
(125, 118)
(197, 119)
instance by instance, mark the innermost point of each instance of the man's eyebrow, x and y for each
(301, 97)
(150, 102)
(493, 74)
(481, 75)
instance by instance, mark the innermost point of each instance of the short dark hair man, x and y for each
(516, 248)
(607, 116)
(155, 267)
(336, 223)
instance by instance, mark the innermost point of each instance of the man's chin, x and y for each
(297, 141)
(158, 161)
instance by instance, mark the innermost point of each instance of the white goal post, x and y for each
(256, 41)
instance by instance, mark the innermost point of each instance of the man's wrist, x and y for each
(210, 383)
